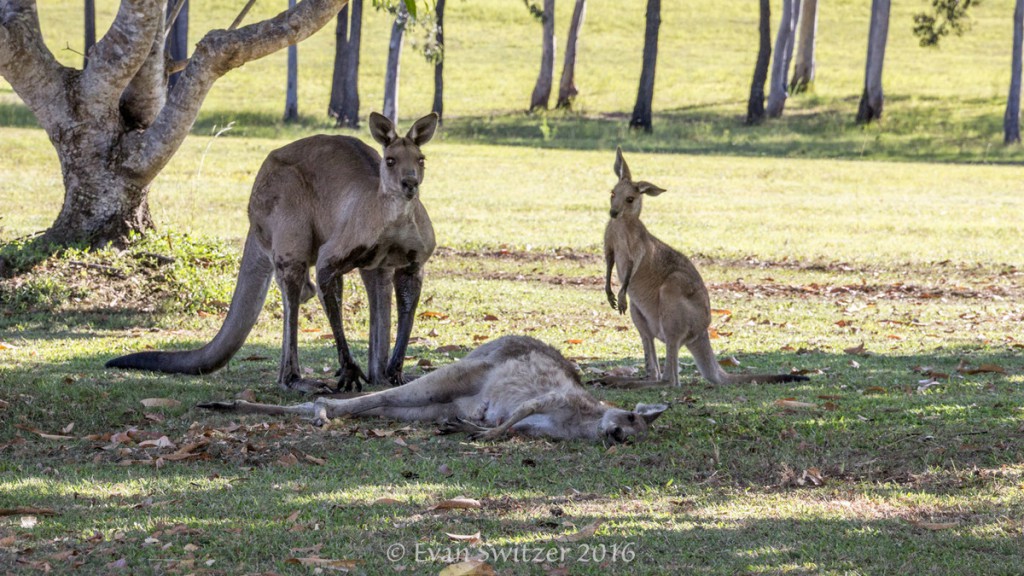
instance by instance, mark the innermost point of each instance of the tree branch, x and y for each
(114, 61)
(29, 66)
(146, 94)
(216, 54)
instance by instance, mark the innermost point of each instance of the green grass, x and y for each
(816, 235)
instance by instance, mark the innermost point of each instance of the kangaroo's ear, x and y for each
(650, 412)
(648, 188)
(382, 129)
(423, 130)
(621, 170)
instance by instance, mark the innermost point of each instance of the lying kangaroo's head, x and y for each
(401, 170)
(618, 425)
(627, 196)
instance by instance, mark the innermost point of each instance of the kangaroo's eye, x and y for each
(420, 162)
(629, 200)
(390, 161)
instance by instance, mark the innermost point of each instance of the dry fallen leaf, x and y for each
(983, 369)
(160, 403)
(287, 460)
(490, 318)
(587, 531)
(468, 538)
(730, 361)
(432, 314)
(248, 395)
(857, 350)
(875, 390)
(456, 504)
(387, 500)
(325, 563)
(468, 568)
(574, 341)
(794, 404)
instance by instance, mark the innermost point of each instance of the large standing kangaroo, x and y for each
(514, 383)
(329, 202)
(670, 300)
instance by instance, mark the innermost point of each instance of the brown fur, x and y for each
(331, 202)
(514, 383)
(670, 300)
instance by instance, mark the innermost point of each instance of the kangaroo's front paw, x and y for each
(623, 304)
(611, 299)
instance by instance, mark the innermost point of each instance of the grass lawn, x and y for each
(884, 262)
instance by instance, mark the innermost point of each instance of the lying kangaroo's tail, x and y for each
(712, 370)
(250, 291)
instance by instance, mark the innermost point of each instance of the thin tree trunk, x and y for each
(177, 40)
(872, 100)
(394, 55)
(780, 66)
(90, 28)
(337, 100)
(567, 90)
(641, 117)
(803, 72)
(291, 99)
(350, 106)
(1011, 120)
(755, 106)
(438, 106)
(542, 89)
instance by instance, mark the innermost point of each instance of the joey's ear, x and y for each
(650, 412)
(423, 130)
(382, 129)
(648, 188)
(621, 170)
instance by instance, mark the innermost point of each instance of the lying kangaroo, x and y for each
(331, 202)
(670, 301)
(514, 383)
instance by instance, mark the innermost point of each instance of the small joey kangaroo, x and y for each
(512, 384)
(670, 300)
(331, 202)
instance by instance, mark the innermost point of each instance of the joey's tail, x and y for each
(709, 367)
(250, 291)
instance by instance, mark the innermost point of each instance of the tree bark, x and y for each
(780, 66)
(872, 100)
(755, 105)
(337, 99)
(114, 125)
(641, 117)
(1011, 120)
(90, 28)
(438, 107)
(394, 56)
(567, 90)
(803, 71)
(291, 97)
(542, 89)
(177, 39)
(350, 106)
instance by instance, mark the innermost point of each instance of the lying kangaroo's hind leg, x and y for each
(244, 407)
(442, 386)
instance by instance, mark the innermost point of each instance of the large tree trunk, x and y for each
(177, 38)
(567, 87)
(871, 100)
(641, 117)
(783, 50)
(337, 99)
(438, 107)
(1011, 120)
(542, 89)
(394, 56)
(90, 28)
(350, 106)
(291, 98)
(755, 105)
(803, 71)
(114, 124)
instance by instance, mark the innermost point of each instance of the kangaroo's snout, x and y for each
(613, 213)
(410, 185)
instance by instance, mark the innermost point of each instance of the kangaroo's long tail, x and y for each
(709, 367)
(254, 278)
